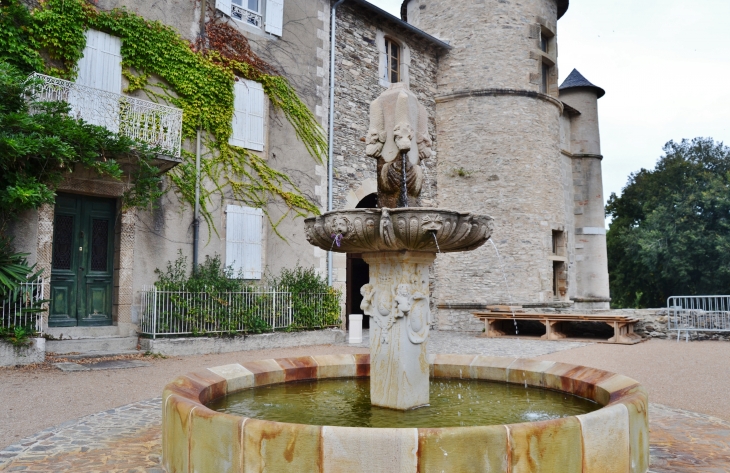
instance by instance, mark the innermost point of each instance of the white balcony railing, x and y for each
(147, 122)
(246, 16)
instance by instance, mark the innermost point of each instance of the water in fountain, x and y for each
(405, 185)
(453, 402)
(506, 284)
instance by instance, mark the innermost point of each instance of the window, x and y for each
(558, 243)
(393, 55)
(99, 68)
(248, 115)
(545, 79)
(268, 14)
(244, 240)
(544, 41)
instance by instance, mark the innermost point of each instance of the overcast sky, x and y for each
(665, 66)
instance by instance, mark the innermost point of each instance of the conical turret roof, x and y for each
(576, 79)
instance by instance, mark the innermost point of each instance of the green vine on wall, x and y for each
(199, 80)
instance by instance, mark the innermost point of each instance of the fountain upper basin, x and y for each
(400, 229)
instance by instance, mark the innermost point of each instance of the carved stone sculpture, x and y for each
(398, 138)
(399, 245)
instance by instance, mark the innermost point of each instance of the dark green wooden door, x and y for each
(82, 269)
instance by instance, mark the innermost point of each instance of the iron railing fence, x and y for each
(147, 122)
(252, 309)
(698, 313)
(23, 306)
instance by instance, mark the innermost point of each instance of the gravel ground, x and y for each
(694, 376)
(36, 399)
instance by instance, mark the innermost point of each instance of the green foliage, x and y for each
(17, 45)
(18, 336)
(14, 269)
(314, 302)
(670, 233)
(37, 149)
(213, 298)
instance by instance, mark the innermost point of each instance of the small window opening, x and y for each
(544, 40)
(560, 280)
(545, 78)
(393, 53)
(558, 243)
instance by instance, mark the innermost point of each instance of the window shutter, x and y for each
(274, 16)
(240, 112)
(244, 240)
(255, 126)
(100, 68)
(224, 6)
(248, 115)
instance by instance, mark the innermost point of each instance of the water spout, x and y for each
(405, 184)
(506, 284)
(433, 233)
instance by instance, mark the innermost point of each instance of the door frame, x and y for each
(124, 242)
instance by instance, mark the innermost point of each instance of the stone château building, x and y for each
(507, 140)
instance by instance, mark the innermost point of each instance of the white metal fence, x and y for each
(698, 314)
(20, 309)
(252, 309)
(141, 120)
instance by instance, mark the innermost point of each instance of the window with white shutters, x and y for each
(248, 115)
(271, 19)
(99, 68)
(244, 240)
(274, 16)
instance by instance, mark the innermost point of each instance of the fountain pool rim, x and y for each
(612, 438)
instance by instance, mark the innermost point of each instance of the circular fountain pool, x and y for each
(611, 439)
(454, 403)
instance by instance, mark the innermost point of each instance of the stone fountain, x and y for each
(399, 241)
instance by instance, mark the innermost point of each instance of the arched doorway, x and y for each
(358, 271)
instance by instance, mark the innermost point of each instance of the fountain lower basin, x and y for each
(611, 439)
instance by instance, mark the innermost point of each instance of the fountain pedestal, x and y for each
(397, 302)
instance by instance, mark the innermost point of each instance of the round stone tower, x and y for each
(498, 124)
(591, 260)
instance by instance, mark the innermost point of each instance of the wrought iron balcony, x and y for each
(246, 16)
(147, 122)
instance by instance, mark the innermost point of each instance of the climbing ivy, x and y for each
(198, 78)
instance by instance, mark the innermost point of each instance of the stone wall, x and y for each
(357, 84)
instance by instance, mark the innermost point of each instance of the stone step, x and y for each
(64, 333)
(98, 354)
(87, 346)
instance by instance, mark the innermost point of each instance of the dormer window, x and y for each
(393, 53)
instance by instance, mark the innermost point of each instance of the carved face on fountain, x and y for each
(398, 138)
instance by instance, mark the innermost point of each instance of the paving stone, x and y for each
(68, 366)
(118, 364)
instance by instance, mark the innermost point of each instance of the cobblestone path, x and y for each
(127, 439)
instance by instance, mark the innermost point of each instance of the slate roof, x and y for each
(576, 79)
(562, 8)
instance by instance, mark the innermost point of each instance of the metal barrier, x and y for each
(252, 309)
(698, 314)
(22, 308)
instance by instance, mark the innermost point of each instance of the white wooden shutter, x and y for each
(244, 240)
(99, 68)
(240, 113)
(256, 98)
(224, 6)
(274, 16)
(101, 65)
(248, 115)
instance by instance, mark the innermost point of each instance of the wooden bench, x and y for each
(623, 326)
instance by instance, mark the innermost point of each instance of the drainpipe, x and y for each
(331, 136)
(196, 213)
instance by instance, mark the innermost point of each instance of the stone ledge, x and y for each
(14, 356)
(210, 345)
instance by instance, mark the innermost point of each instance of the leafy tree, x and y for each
(670, 233)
